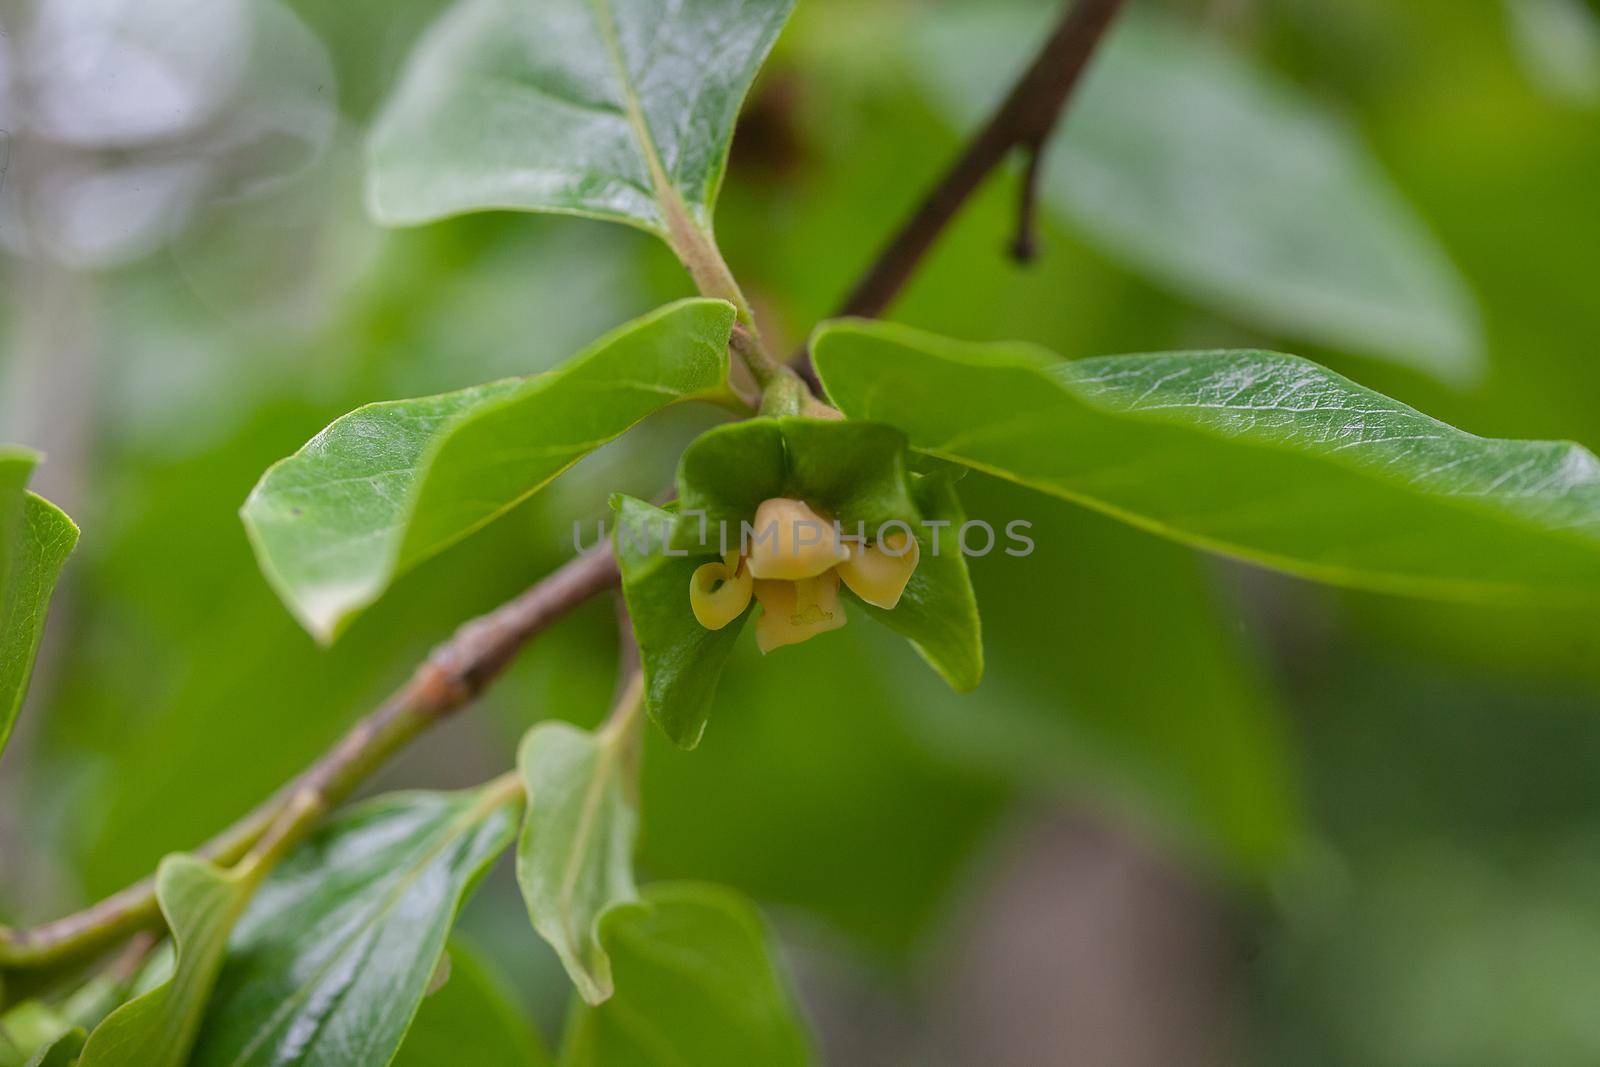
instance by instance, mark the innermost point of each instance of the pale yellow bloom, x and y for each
(878, 573)
(719, 592)
(792, 612)
(795, 563)
(791, 541)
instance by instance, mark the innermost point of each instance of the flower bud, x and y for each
(878, 573)
(792, 612)
(792, 542)
(719, 592)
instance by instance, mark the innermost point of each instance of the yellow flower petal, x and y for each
(792, 612)
(718, 593)
(790, 541)
(878, 573)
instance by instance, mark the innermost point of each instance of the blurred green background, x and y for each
(1196, 813)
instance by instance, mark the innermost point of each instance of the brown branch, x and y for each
(452, 676)
(1025, 119)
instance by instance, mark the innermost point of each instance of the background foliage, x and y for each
(1384, 806)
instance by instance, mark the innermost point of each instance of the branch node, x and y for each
(1032, 109)
(1025, 245)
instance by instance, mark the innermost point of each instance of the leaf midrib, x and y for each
(667, 199)
(1511, 518)
(474, 814)
(605, 761)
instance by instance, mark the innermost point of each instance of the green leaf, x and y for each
(696, 984)
(35, 1034)
(27, 1029)
(1182, 159)
(473, 1019)
(575, 855)
(329, 964)
(62, 1052)
(35, 1031)
(393, 483)
(681, 659)
(938, 612)
(201, 903)
(1262, 456)
(615, 109)
(35, 540)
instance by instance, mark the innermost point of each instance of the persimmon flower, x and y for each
(794, 564)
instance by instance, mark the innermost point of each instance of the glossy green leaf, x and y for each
(329, 964)
(201, 903)
(35, 539)
(1184, 160)
(1263, 456)
(616, 109)
(681, 659)
(575, 855)
(473, 1019)
(393, 483)
(697, 983)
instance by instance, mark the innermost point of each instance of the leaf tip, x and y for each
(593, 989)
(684, 734)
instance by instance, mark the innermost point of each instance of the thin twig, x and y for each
(454, 674)
(1025, 245)
(1026, 118)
